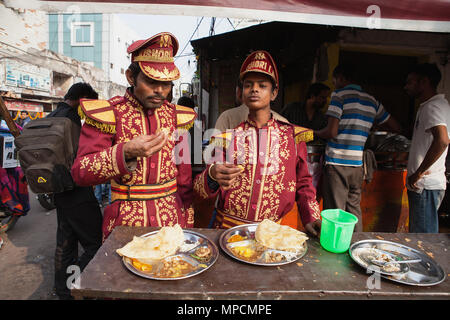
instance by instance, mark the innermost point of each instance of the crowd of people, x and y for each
(259, 168)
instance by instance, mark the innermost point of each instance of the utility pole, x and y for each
(211, 29)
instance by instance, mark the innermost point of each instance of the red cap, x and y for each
(155, 56)
(260, 61)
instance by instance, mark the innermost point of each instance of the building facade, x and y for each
(100, 40)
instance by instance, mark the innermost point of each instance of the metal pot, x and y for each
(315, 152)
(375, 139)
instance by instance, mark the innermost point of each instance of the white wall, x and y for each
(120, 38)
(23, 29)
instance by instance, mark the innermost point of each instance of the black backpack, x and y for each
(47, 148)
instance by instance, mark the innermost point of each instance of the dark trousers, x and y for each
(78, 222)
(341, 188)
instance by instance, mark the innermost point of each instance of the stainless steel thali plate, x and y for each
(188, 258)
(247, 250)
(427, 272)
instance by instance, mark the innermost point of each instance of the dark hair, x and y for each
(135, 70)
(81, 90)
(239, 83)
(430, 71)
(345, 70)
(315, 89)
(186, 101)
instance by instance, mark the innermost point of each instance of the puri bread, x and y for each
(156, 247)
(275, 236)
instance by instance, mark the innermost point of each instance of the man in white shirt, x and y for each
(231, 118)
(426, 181)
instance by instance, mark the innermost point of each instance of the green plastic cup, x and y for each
(337, 230)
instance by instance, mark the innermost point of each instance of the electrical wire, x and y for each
(37, 55)
(189, 41)
(231, 23)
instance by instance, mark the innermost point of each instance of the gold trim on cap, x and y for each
(154, 55)
(164, 74)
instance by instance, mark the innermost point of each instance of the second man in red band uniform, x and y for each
(260, 169)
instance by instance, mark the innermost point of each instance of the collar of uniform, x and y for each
(270, 123)
(438, 96)
(129, 96)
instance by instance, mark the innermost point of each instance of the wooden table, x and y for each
(319, 274)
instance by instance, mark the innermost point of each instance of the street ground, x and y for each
(27, 256)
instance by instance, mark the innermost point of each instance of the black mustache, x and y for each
(157, 97)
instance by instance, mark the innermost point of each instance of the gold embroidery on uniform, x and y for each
(129, 129)
(165, 41)
(263, 177)
(114, 159)
(260, 56)
(272, 178)
(158, 126)
(291, 186)
(167, 211)
(164, 117)
(154, 55)
(164, 74)
(131, 213)
(111, 225)
(199, 185)
(244, 143)
(189, 213)
(144, 161)
(279, 154)
(100, 164)
(315, 208)
(166, 120)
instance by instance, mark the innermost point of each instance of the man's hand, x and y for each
(437, 147)
(411, 181)
(225, 174)
(145, 145)
(314, 227)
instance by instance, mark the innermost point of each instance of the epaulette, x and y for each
(222, 140)
(302, 134)
(99, 113)
(185, 117)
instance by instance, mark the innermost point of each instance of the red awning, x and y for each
(414, 15)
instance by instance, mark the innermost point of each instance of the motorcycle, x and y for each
(46, 200)
(7, 220)
(14, 199)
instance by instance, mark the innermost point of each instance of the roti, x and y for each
(275, 236)
(156, 247)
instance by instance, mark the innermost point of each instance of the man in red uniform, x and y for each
(260, 167)
(130, 140)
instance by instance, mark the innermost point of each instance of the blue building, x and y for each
(98, 39)
(80, 38)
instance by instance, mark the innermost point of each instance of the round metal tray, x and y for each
(248, 231)
(200, 266)
(427, 272)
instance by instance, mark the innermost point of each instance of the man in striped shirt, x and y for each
(351, 114)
